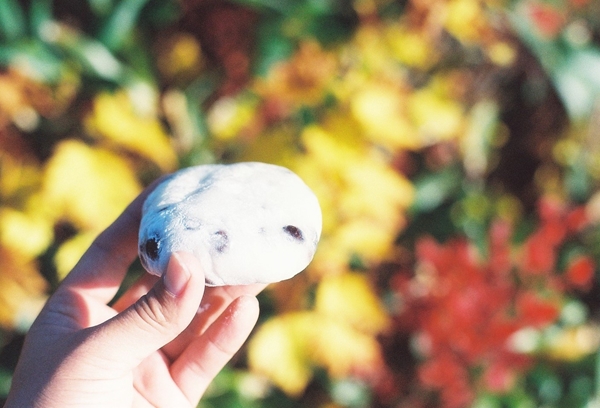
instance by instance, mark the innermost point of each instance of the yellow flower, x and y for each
(27, 235)
(325, 187)
(567, 151)
(502, 53)
(410, 47)
(465, 19)
(277, 352)
(374, 190)
(286, 348)
(436, 116)
(22, 291)
(276, 145)
(344, 351)
(180, 56)
(228, 116)
(366, 239)
(372, 52)
(303, 80)
(361, 196)
(115, 118)
(380, 110)
(71, 251)
(18, 175)
(573, 343)
(329, 153)
(350, 299)
(88, 186)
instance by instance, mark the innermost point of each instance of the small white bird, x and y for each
(246, 222)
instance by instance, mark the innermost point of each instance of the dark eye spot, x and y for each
(220, 241)
(294, 232)
(151, 248)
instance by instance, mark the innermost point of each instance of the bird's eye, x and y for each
(151, 247)
(294, 232)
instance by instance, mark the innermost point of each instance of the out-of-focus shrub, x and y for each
(452, 145)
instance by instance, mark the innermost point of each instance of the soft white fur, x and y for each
(233, 218)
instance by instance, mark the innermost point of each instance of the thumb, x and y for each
(157, 317)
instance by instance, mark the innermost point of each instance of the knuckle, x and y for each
(152, 313)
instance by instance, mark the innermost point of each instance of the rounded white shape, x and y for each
(246, 222)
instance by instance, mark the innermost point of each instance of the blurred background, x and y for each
(454, 146)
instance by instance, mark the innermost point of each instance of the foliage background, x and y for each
(454, 146)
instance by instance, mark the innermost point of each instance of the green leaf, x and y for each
(350, 393)
(138, 59)
(308, 8)
(98, 59)
(93, 56)
(101, 7)
(487, 401)
(272, 45)
(577, 179)
(546, 384)
(285, 7)
(160, 12)
(40, 15)
(577, 82)
(12, 20)
(5, 380)
(434, 188)
(330, 29)
(196, 94)
(597, 376)
(121, 23)
(572, 69)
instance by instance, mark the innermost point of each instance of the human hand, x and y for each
(158, 345)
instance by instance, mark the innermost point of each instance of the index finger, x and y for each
(214, 302)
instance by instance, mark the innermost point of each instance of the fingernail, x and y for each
(177, 276)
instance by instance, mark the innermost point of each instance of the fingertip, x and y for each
(245, 308)
(177, 276)
(247, 302)
(187, 260)
(188, 266)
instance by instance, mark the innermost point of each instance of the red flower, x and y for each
(447, 373)
(580, 272)
(499, 377)
(550, 208)
(539, 255)
(577, 219)
(465, 317)
(500, 234)
(466, 307)
(548, 20)
(536, 311)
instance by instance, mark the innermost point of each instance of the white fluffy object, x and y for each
(246, 222)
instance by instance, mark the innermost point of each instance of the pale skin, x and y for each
(158, 345)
